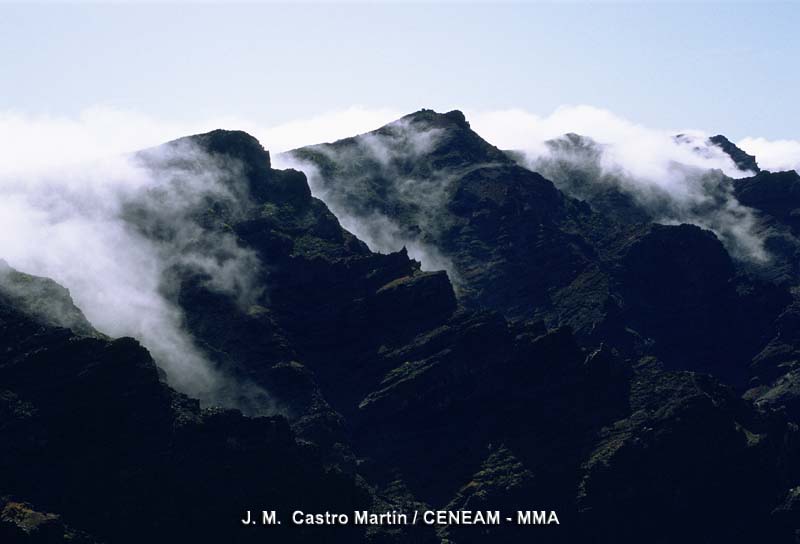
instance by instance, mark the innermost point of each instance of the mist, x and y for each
(32, 142)
(114, 231)
(674, 176)
(774, 155)
(389, 156)
(78, 206)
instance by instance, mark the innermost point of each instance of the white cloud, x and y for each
(326, 127)
(40, 142)
(643, 152)
(67, 221)
(773, 155)
(652, 165)
(63, 182)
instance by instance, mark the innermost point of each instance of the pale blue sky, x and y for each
(722, 67)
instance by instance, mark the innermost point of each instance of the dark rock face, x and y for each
(42, 299)
(20, 522)
(90, 432)
(679, 286)
(512, 242)
(777, 195)
(387, 388)
(574, 165)
(460, 203)
(743, 160)
(701, 431)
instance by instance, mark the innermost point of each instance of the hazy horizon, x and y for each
(705, 66)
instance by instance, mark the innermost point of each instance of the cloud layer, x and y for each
(66, 185)
(411, 193)
(31, 142)
(90, 226)
(774, 155)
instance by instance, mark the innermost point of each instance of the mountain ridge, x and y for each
(389, 390)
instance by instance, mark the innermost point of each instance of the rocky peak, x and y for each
(451, 119)
(399, 392)
(236, 144)
(420, 143)
(742, 159)
(42, 299)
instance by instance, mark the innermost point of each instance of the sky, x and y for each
(721, 67)
(82, 85)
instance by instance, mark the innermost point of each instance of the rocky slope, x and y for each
(387, 388)
(513, 242)
(90, 432)
(744, 161)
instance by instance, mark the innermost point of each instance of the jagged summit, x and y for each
(236, 144)
(742, 159)
(452, 118)
(398, 392)
(445, 139)
(43, 300)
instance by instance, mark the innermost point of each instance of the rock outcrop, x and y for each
(566, 360)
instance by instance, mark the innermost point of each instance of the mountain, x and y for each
(433, 185)
(743, 160)
(91, 432)
(513, 241)
(565, 367)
